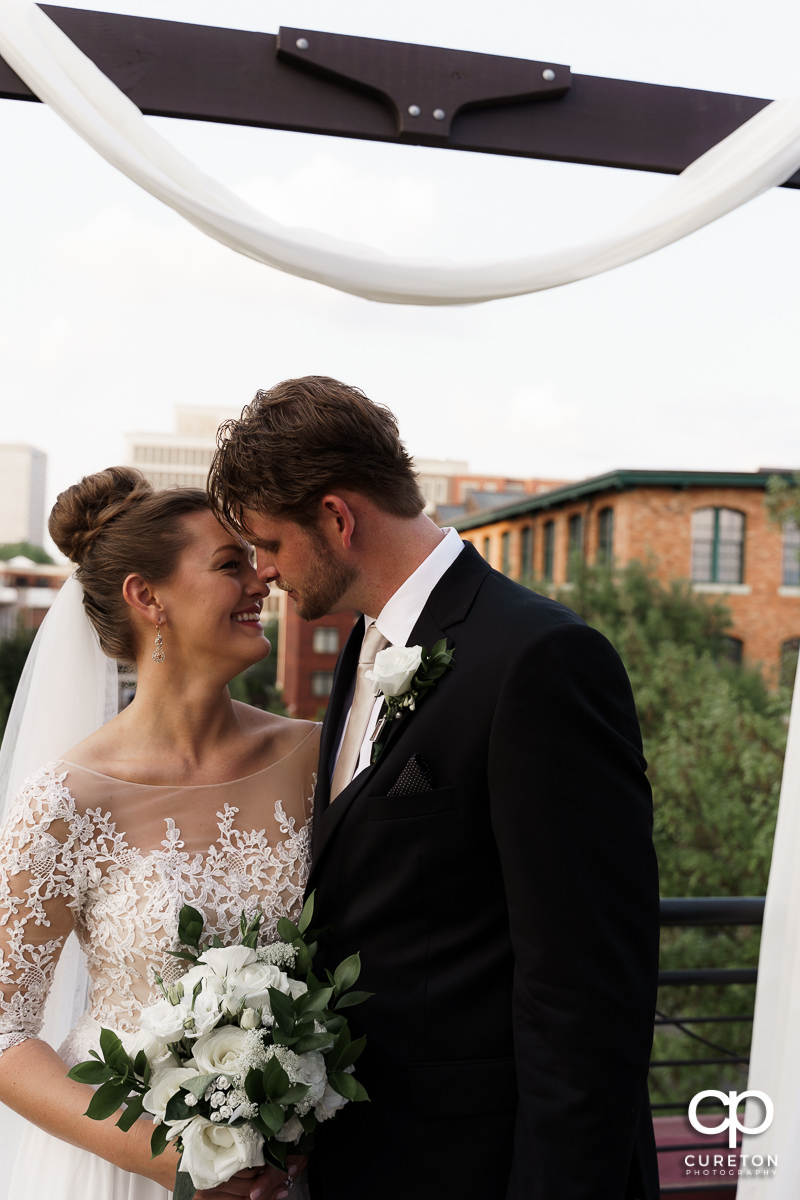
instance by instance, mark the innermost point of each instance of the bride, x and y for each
(185, 797)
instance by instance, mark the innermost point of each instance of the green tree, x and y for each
(714, 737)
(257, 684)
(783, 498)
(13, 652)
(34, 553)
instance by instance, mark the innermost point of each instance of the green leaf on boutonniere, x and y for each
(432, 667)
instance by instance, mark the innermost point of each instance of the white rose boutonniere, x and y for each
(403, 675)
(394, 669)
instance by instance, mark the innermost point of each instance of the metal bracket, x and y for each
(424, 86)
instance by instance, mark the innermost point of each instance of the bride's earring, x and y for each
(158, 653)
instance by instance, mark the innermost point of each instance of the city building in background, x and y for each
(182, 458)
(27, 589)
(22, 484)
(451, 490)
(710, 527)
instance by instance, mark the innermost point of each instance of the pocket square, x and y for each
(415, 777)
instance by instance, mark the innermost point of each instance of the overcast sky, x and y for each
(114, 309)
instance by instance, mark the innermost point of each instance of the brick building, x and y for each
(710, 527)
(307, 654)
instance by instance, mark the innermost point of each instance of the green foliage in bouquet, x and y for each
(311, 1021)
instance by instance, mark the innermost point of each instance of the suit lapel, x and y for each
(343, 678)
(448, 605)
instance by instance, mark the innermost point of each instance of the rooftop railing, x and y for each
(700, 1059)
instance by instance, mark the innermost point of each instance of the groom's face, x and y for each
(299, 560)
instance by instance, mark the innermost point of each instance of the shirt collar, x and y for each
(402, 611)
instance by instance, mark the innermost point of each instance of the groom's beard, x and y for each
(326, 582)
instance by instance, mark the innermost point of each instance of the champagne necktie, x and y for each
(363, 700)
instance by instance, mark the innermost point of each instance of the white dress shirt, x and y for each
(400, 614)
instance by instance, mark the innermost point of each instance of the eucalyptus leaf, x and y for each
(158, 1139)
(90, 1072)
(198, 1085)
(275, 1079)
(184, 1188)
(293, 1094)
(350, 1053)
(107, 1100)
(190, 926)
(282, 1009)
(313, 1041)
(131, 1114)
(313, 1002)
(272, 1115)
(350, 999)
(307, 914)
(254, 1086)
(347, 972)
(343, 1083)
(288, 930)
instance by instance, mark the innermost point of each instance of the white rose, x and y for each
(252, 983)
(164, 1083)
(217, 1052)
(213, 1153)
(196, 974)
(206, 1013)
(309, 1068)
(155, 1049)
(329, 1104)
(394, 669)
(297, 988)
(164, 1021)
(290, 1131)
(227, 960)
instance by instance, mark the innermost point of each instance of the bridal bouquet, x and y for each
(239, 1060)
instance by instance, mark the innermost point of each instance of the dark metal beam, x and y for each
(363, 88)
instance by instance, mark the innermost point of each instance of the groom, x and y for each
(494, 866)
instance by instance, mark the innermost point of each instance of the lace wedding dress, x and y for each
(115, 861)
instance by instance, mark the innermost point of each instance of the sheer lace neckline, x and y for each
(192, 786)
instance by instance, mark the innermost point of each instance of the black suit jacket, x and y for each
(507, 918)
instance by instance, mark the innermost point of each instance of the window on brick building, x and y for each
(487, 548)
(321, 683)
(549, 550)
(789, 652)
(505, 553)
(717, 545)
(791, 554)
(526, 553)
(575, 547)
(325, 640)
(605, 536)
(732, 650)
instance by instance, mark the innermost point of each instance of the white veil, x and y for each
(67, 690)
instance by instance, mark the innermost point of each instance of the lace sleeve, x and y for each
(41, 879)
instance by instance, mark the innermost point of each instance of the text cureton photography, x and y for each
(733, 1164)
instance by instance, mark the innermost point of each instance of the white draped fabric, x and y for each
(775, 1051)
(761, 154)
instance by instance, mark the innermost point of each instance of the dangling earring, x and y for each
(158, 653)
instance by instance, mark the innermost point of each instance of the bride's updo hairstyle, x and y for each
(114, 524)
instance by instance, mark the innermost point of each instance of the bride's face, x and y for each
(212, 601)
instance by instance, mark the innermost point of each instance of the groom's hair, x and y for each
(303, 439)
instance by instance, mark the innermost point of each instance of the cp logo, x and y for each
(731, 1122)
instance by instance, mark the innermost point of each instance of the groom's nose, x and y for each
(265, 567)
